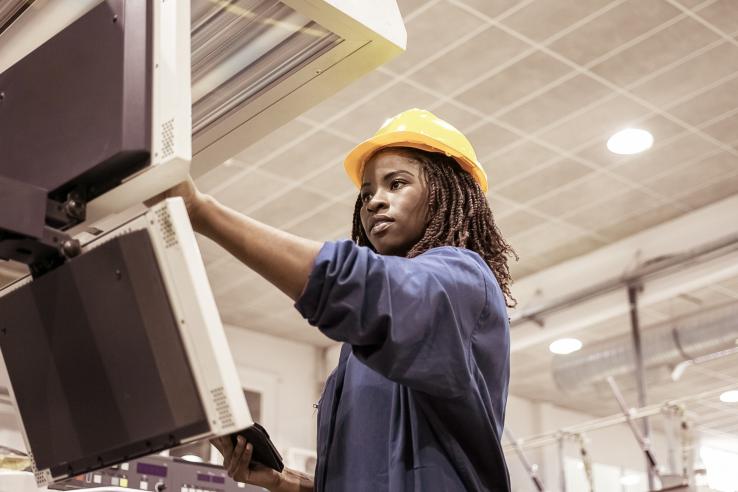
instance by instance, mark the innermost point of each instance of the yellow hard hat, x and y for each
(422, 130)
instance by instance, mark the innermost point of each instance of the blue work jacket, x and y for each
(417, 401)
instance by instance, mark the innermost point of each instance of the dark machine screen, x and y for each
(96, 360)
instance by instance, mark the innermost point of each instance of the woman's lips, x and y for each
(381, 226)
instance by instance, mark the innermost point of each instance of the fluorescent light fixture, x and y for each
(565, 346)
(729, 396)
(241, 49)
(630, 141)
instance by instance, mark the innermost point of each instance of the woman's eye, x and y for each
(366, 197)
(396, 184)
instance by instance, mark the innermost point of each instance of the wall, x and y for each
(288, 375)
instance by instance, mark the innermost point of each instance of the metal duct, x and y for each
(668, 343)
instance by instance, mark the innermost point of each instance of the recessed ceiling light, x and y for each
(729, 397)
(630, 141)
(565, 346)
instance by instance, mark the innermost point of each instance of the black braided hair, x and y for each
(458, 215)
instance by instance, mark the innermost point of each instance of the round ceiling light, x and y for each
(630, 141)
(729, 397)
(565, 346)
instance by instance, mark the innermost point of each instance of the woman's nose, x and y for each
(377, 202)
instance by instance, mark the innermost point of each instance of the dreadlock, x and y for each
(458, 215)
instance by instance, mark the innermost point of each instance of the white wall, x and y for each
(288, 374)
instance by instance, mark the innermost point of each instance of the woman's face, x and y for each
(394, 202)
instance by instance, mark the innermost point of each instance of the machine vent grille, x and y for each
(40, 476)
(221, 406)
(165, 228)
(167, 139)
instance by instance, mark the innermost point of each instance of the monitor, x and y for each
(119, 352)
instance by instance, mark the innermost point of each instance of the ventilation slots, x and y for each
(165, 228)
(167, 139)
(221, 406)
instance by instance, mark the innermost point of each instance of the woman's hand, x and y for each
(237, 462)
(193, 198)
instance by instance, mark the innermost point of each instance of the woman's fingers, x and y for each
(236, 456)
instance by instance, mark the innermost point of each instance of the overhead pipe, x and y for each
(655, 267)
(669, 343)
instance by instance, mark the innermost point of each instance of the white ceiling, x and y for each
(538, 86)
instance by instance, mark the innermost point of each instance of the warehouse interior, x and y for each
(633, 256)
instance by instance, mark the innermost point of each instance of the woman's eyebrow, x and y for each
(392, 174)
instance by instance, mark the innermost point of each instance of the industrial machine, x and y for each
(112, 343)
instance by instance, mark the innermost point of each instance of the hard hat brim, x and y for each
(356, 159)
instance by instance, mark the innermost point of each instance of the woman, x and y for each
(419, 299)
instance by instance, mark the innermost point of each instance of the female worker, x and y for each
(417, 401)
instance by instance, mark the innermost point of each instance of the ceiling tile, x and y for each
(517, 222)
(677, 179)
(709, 104)
(655, 52)
(509, 164)
(664, 158)
(541, 20)
(537, 241)
(243, 296)
(317, 151)
(469, 61)
(343, 99)
(613, 28)
(499, 205)
(331, 181)
(407, 7)
(458, 116)
(493, 8)
(711, 192)
(613, 210)
(605, 118)
(527, 265)
(288, 208)
(641, 221)
(722, 14)
(273, 142)
(324, 222)
(490, 138)
(690, 3)
(209, 249)
(250, 189)
(668, 87)
(426, 38)
(554, 104)
(219, 175)
(543, 180)
(725, 130)
(525, 76)
(576, 246)
(594, 187)
(223, 273)
(363, 121)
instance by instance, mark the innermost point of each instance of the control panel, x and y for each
(159, 474)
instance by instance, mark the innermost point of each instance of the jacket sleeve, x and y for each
(411, 320)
